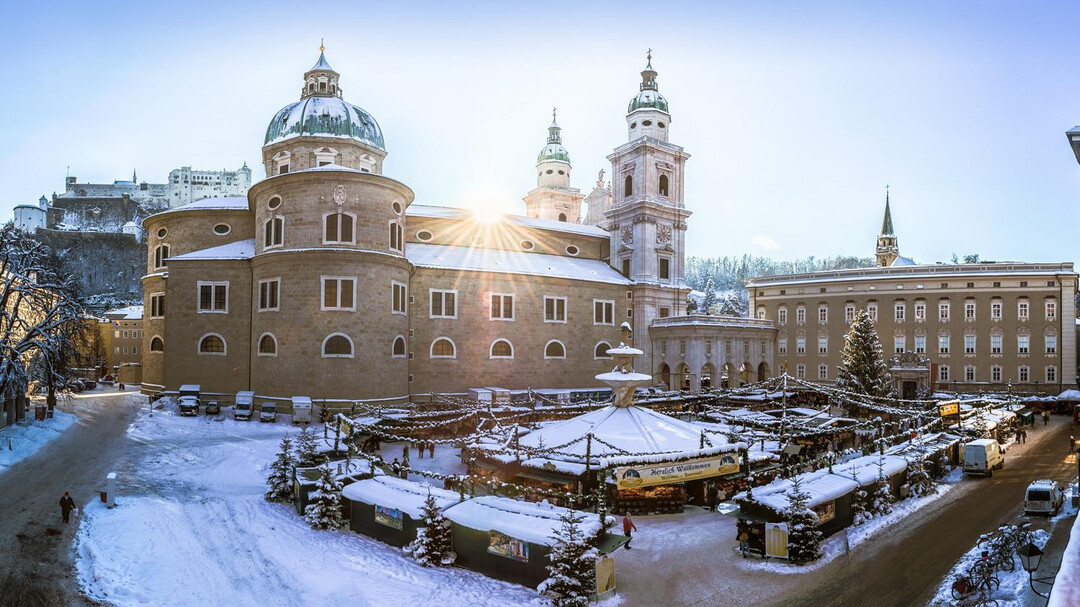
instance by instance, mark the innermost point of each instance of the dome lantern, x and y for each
(647, 114)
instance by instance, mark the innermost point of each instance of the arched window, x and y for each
(274, 232)
(663, 189)
(500, 348)
(212, 344)
(398, 350)
(628, 186)
(337, 345)
(338, 228)
(322, 86)
(157, 344)
(161, 253)
(554, 349)
(267, 345)
(397, 236)
(443, 348)
(562, 216)
(601, 350)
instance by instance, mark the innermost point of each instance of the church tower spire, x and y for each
(887, 248)
(553, 198)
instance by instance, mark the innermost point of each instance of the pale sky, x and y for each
(796, 116)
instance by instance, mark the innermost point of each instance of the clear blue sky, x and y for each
(796, 116)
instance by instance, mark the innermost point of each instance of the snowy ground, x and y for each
(1014, 584)
(447, 461)
(191, 528)
(22, 440)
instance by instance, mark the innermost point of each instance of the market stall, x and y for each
(347, 472)
(389, 508)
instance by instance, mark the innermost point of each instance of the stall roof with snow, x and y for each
(865, 471)
(399, 494)
(532, 522)
(819, 485)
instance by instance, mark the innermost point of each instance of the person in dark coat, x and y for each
(628, 527)
(66, 506)
(1046, 416)
(711, 495)
(431, 449)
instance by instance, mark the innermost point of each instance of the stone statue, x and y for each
(600, 179)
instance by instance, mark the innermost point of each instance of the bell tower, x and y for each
(647, 218)
(887, 248)
(553, 198)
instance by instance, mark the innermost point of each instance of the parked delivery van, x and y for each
(983, 456)
(245, 403)
(1043, 496)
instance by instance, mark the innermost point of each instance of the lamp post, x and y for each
(1030, 555)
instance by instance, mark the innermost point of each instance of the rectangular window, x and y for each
(502, 306)
(213, 297)
(943, 344)
(682, 347)
(823, 372)
(1051, 374)
(849, 313)
(399, 298)
(125, 349)
(995, 310)
(665, 268)
(665, 312)
(1023, 344)
(338, 293)
(1022, 309)
(943, 311)
(781, 345)
(117, 349)
(969, 344)
(764, 345)
(727, 347)
(943, 373)
(1051, 344)
(1024, 374)
(626, 268)
(397, 236)
(157, 305)
(269, 290)
(603, 312)
(746, 348)
(338, 228)
(800, 315)
(116, 334)
(134, 349)
(127, 334)
(781, 315)
(273, 232)
(920, 344)
(554, 309)
(899, 344)
(871, 311)
(995, 373)
(708, 347)
(800, 371)
(823, 314)
(443, 304)
(823, 345)
(800, 345)
(1051, 309)
(995, 344)
(920, 310)
(969, 373)
(899, 310)
(969, 310)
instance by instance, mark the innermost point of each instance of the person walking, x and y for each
(431, 448)
(628, 527)
(66, 506)
(405, 451)
(1046, 416)
(420, 449)
(711, 495)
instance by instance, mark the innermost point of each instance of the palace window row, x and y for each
(1023, 374)
(944, 313)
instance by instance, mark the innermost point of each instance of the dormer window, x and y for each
(281, 162)
(325, 156)
(322, 86)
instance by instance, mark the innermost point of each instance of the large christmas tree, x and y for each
(432, 547)
(324, 511)
(572, 571)
(804, 537)
(862, 367)
(280, 479)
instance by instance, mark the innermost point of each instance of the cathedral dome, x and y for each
(553, 151)
(325, 116)
(648, 99)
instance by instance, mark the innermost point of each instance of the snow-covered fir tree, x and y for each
(432, 546)
(919, 480)
(862, 367)
(859, 501)
(881, 500)
(980, 427)
(572, 572)
(324, 510)
(307, 445)
(280, 479)
(804, 537)
(709, 302)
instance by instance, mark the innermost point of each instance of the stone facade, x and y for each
(187, 186)
(121, 333)
(698, 351)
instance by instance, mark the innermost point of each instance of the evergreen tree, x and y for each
(306, 448)
(804, 537)
(324, 511)
(981, 428)
(280, 479)
(882, 500)
(859, 501)
(862, 367)
(919, 479)
(710, 296)
(432, 547)
(572, 572)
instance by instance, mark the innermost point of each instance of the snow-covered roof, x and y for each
(450, 257)
(528, 521)
(440, 212)
(1064, 592)
(629, 429)
(241, 249)
(126, 313)
(1069, 395)
(864, 469)
(329, 167)
(399, 494)
(819, 485)
(225, 203)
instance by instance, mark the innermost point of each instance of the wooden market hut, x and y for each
(866, 471)
(941, 450)
(305, 479)
(510, 540)
(389, 509)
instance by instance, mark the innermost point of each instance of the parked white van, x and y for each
(983, 456)
(1043, 496)
(245, 404)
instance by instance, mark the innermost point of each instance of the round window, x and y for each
(646, 123)
(572, 250)
(274, 203)
(527, 245)
(424, 235)
(222, 229)
(660, 124)
(162, 232)
(397, 207)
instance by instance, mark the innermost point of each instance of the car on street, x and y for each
(1043, 496)
(983, 456)
(268, 412)
(213, 408)
(189, 405)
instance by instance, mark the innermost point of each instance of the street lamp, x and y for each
(1030, 555)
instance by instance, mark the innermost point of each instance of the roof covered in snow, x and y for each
(241, 249)
(225, 203)
(864, 470)
(125, 313)
(450, 257)
(528, 521)
(440, 212)
(325, 116)
(399, 494)
(820, 485)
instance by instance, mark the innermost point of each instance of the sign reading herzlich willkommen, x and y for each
(661, 474)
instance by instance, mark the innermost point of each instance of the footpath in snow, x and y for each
(27, 437)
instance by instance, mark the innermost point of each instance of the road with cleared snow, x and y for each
(36, 568)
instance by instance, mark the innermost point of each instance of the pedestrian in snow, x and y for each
(395, 467)
(1023, 435)
(1046, 416)
(405, 452)
(431, 448)
(711, 497)
(628, 527)
(420, 450)
(66, 506)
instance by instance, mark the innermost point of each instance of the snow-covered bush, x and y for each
(306, 448)
(432, 546)
(280, 479)
(804, 537)
(572, 572)
(859, 502)
(324, 511)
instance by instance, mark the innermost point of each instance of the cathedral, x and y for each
(329, 280)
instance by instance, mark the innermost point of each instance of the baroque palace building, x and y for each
(327, 280)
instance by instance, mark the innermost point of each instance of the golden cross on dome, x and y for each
(322, 46)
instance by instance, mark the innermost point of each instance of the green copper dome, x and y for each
(325, 117)
(648, 99)
(553, 150)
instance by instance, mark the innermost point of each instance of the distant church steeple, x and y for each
(887, 248)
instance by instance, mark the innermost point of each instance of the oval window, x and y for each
(274, 203)
(222, 229)
(660, 124)
(646, 123)
(397, 207)
(162, 232)
(572, 250)
(424, 235)
(549, 171)
(527, 245)
(561, 172)
(633, 125)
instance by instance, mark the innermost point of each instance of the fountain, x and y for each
(622, 379)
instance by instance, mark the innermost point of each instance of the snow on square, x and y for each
(26, 438)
